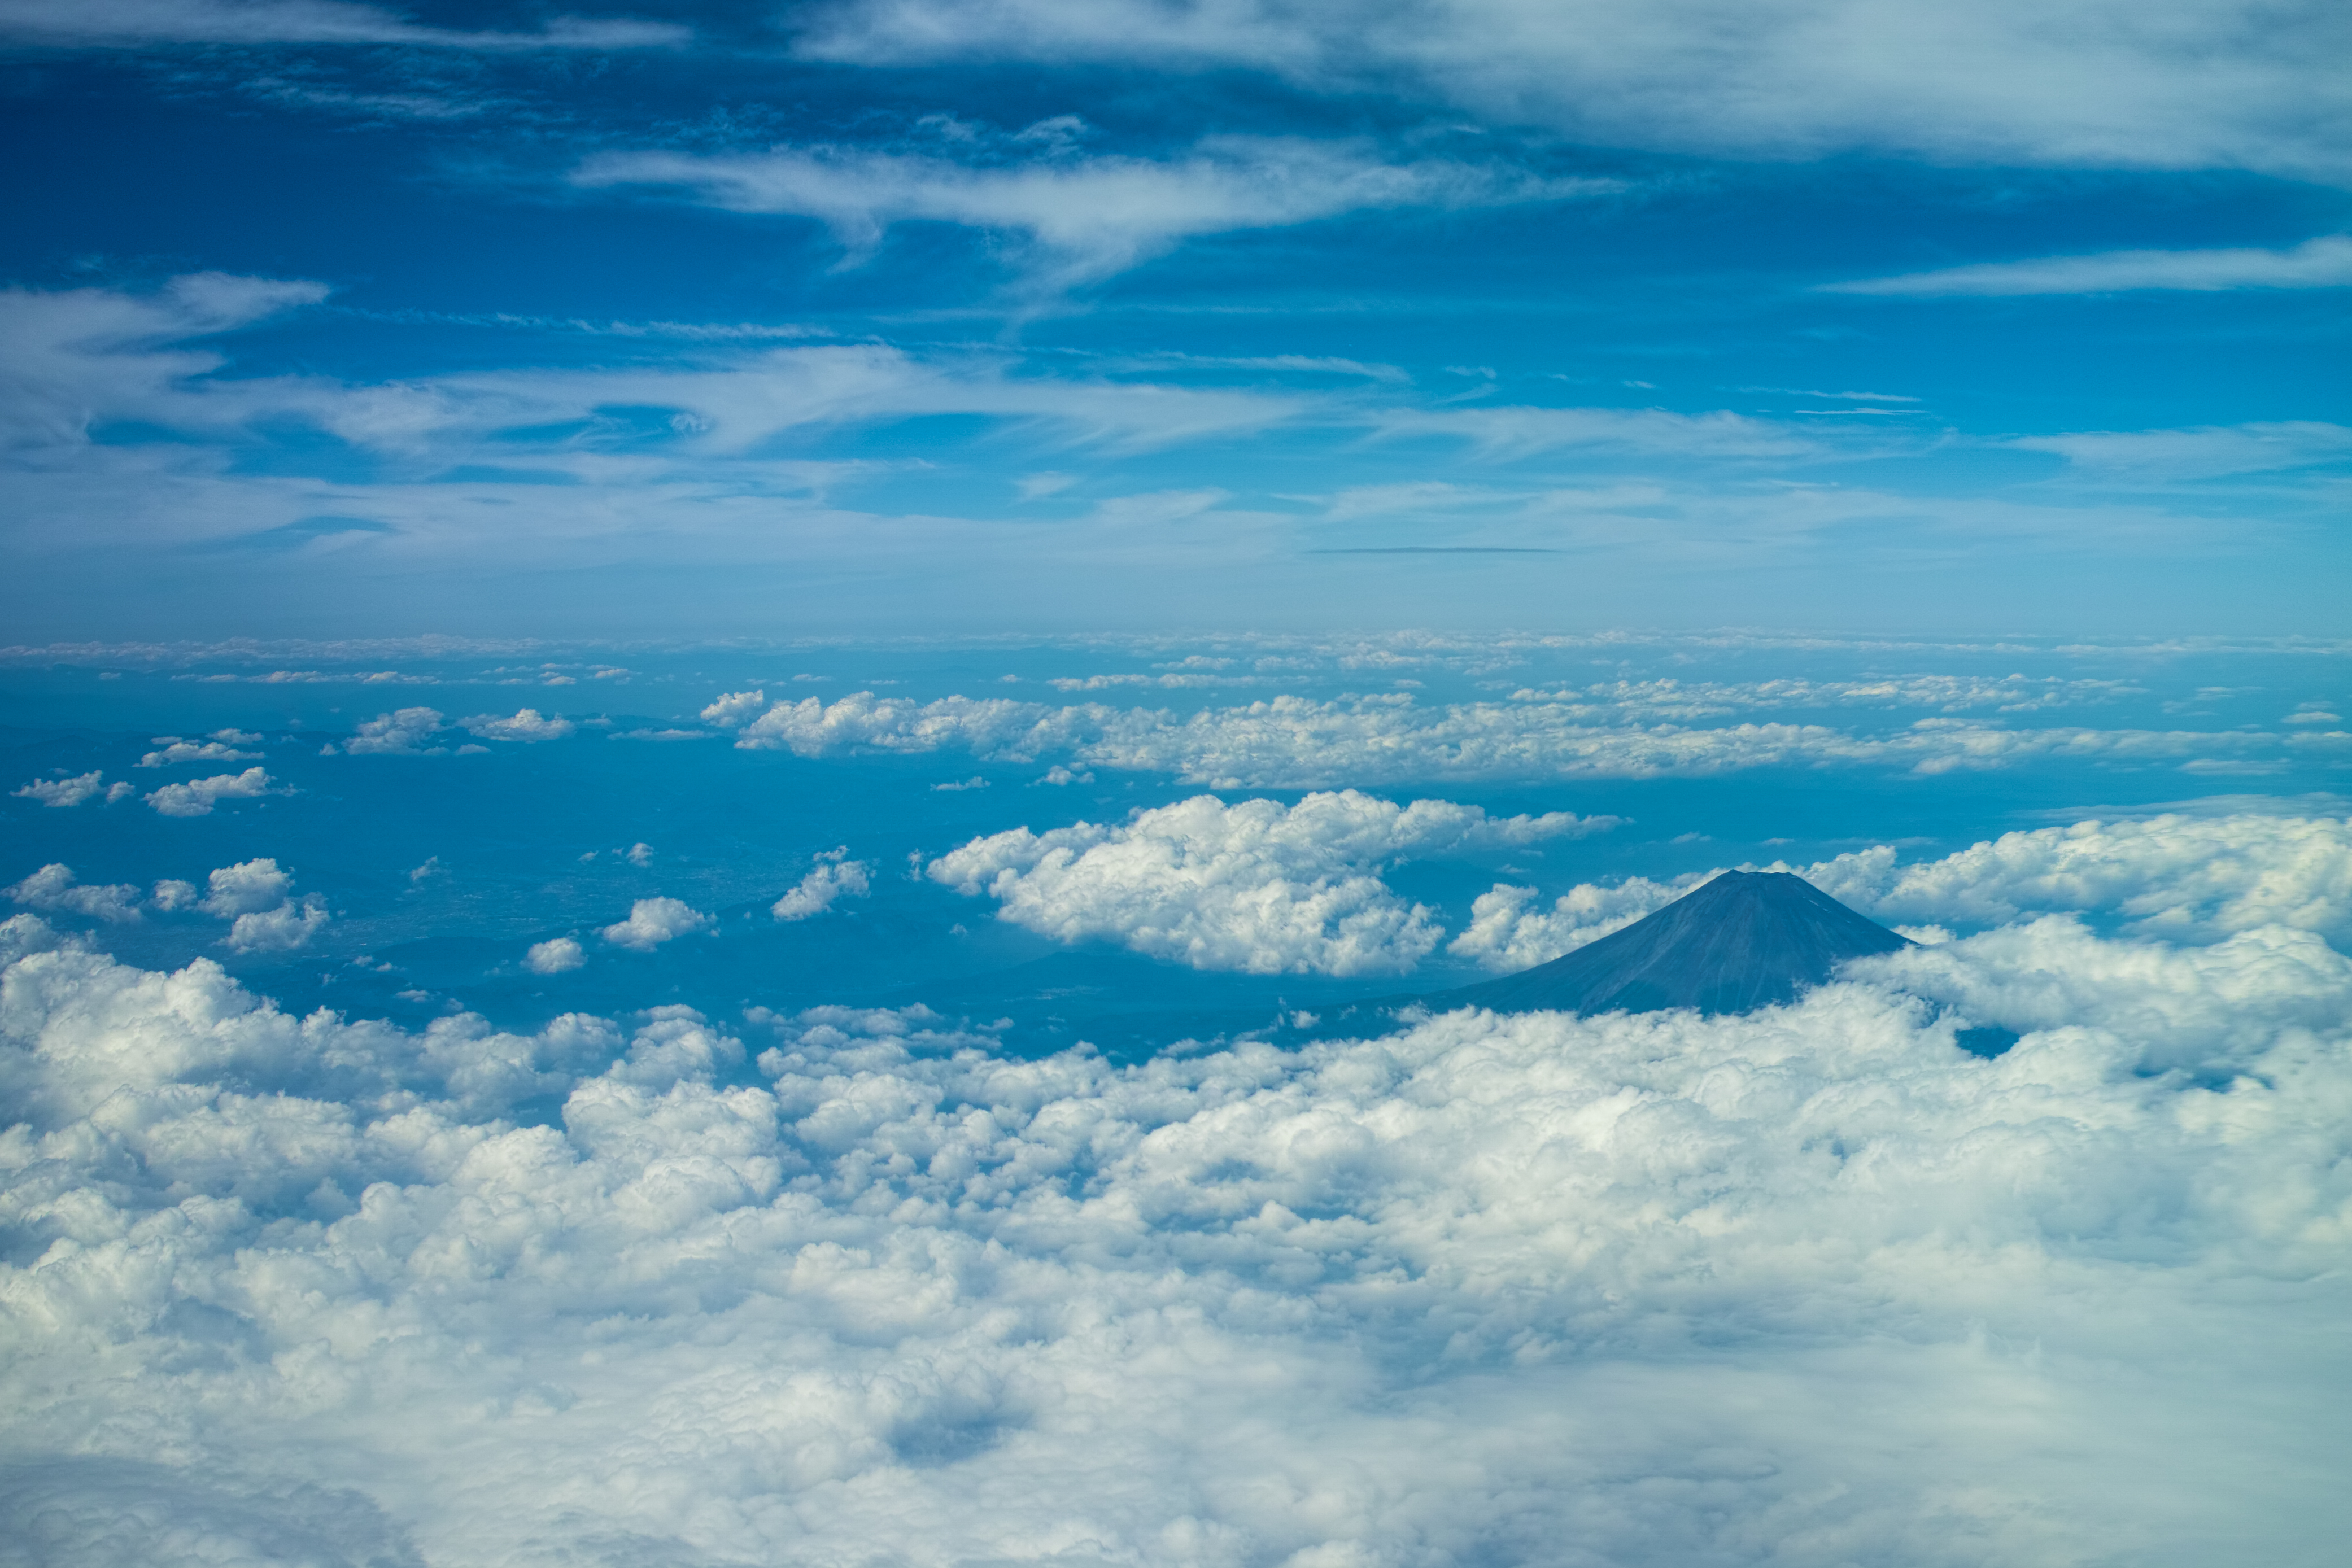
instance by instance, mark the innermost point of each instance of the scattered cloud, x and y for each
(555, 956)
(75, 789)
(405, 733)
(836, 876)
(654, 921)
(53, 889)
(197, 796)
(525, 726)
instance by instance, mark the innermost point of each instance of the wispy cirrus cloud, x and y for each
(2160, 84)
(135, 24)
(2322, 263)
(1082, 217)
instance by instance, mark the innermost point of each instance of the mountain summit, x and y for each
(1744, 940)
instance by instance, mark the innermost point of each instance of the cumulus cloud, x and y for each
(257, 897)
(2173, 875)
(1508, 932)
(53, 888)
(1813, 1284)
(654, 921)
(74, 791)
(555, 956)
(526, 725)
(218, 750)
(2323, 262)
(1289, 742)
(1083, 216)
(404, 733)
(2195, 879)
(835, 876)
(1255, 886)
(196, 796)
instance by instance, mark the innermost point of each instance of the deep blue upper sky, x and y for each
(329, 318)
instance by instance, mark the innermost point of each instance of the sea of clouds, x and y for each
(1813, 1285)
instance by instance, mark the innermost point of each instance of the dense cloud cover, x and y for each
(1812, 1286)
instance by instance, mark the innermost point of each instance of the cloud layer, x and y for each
(1292, 742)
(1812, 1286)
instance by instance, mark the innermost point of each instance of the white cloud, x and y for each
(526, 725)
(2178, 84)
(2164, 456)
(280, 930)
(1506, 933)
(1084, 217)
(2195, 879)
(196, 796)
(2323, 262)
(1289, 742)
(176, 751)
(836, 876)
(53, 888)
(403, 733)
(2176, 876)
(70, 792)
(247, 887)
(137, 24)
(555, 956)
(638, 854)
(257, 897)
(654, 921)
(1254, 886)
(1812, 1286)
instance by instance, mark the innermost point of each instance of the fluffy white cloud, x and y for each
(1812, 1286)
(256, 896)
(835, 876)
(246, 887)
(405, 733)
(2186, 878)
(2175, 84)
(654, 921)
(74, 791)
(526, 725)
(281, 929)
(1507, 934)
(1083, 216)
(176, 750)
(1255, 886)
(2179, 876)
(2324, 263)
(555, 956)
(53, 888)
(1289, 742)
(196, 796)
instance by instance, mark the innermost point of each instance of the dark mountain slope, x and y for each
(1744, 940)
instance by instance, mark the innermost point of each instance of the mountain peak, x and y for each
(1743, 939)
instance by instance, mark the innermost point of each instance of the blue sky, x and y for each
(332, 318)
(716, 722)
